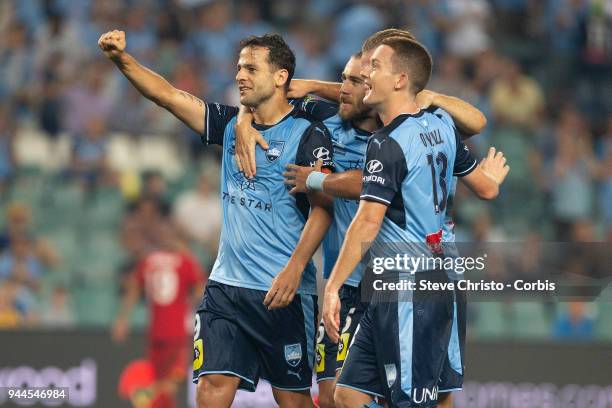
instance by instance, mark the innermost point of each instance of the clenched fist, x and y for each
(112, 43)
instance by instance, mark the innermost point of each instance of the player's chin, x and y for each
(346, 111)
(247, 101)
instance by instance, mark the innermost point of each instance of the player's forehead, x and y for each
(253, 55)
(366, 55)
(382, 53)
(352, 67)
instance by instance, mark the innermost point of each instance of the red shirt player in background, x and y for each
(172, 282)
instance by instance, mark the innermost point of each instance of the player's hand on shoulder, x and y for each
(247, 139)
(299, 88)
(494, 166)
(112, 43)
(425, 99)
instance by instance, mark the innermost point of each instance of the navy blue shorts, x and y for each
(237, 335)
(400, 348)
(330, 356)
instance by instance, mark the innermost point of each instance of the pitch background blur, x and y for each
(90, 170)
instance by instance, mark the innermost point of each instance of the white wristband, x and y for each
(314, 181)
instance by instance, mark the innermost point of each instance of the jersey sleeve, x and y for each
(216, 118)
(465, 162)
(315, 145)
(384, 171)
(448, 119)
(317, 108)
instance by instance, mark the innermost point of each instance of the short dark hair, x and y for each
(280, 55)
(378, 37)
(412, 57)
(357, 55)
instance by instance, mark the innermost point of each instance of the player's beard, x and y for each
(357, 111)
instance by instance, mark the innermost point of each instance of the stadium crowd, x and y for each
(73, 227)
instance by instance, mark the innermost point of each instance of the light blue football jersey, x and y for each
(349, 145)
(262, 222)
(410, 165)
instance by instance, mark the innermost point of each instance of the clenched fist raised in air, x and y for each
(112, 43)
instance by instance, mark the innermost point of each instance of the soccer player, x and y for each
(268, 236)
(351, 123)
(400, 347)
(171, 280)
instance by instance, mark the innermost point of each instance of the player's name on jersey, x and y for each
(464, 285)
(247, 202)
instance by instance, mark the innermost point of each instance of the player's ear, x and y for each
(281, 77)
(402, 81)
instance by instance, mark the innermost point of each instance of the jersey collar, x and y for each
(257, 126)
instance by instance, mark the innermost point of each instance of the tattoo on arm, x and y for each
(191, 97)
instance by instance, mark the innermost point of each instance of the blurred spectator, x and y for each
(155, 187)
(7, 152)
(572, 176)
(89, 161)
(58, 313)
(605, 177)
(352, 26)
(249, 21)
(86, 101)
(212, 41)
(57, 36)
(10, 317)
(516, 99)
(198, 214)
(19, 226)
(467, 32)
(16, 60)
(575, 322)
(427, 20)
(50, 93)
(450, 79)
(141, 32)
(563, 20)
(140, 229)
(311, 60)
(19, 262)
(131, 114)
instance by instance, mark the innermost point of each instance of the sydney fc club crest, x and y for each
(245, 183)
(293, 354)
(391, 373)
(275, 150)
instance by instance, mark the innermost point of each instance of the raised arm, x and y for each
(299, 88)
(486, 178)
(468, 119)
(189, 109)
